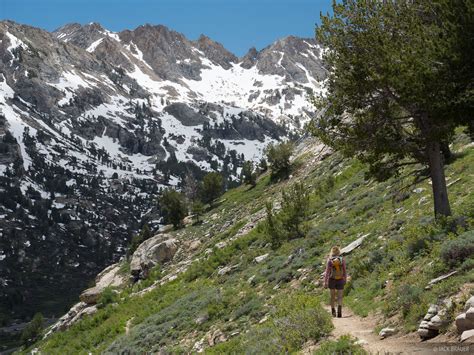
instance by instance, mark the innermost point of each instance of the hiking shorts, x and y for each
(336, 284)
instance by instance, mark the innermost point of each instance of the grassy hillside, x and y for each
(275, 305)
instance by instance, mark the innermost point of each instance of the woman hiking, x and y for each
(335, 278)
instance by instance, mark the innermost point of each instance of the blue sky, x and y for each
(237, 24)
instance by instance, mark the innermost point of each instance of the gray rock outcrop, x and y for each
(468, 336)
(355, 244)
(156, 250)
(77, 312)
(465, 321)
(434, 320)
(185, 114)
(109, 277)
(261, 258)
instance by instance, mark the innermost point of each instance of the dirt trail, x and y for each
(363, 329)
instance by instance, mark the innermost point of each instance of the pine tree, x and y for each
(173, 207)
(294, 210)
(212, 187)
(279, 158)
(32, 331)
(273, 226)
(248, 176)
(391, 98)
(291, 221)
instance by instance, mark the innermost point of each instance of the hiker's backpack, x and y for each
(337, 272)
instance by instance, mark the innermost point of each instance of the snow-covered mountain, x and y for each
(93, 123)
(273, 81)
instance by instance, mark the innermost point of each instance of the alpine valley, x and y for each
(94, 123)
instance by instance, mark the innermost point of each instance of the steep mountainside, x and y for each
(224, 286)
(93, 123)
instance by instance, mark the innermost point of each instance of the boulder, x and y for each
(261, 258)
(194, 245)
(227, 269)
(426, 333)
(85, 312)
(216, 337)
(166, 228)
(463, 323)
(428, 316)
(355, 244)
(199, 346)
(90, 296)
(201, 319)
(221, 245)
(188, 220)
(435, 323)
(78, 311)
(470, 313)
(109, 277)
(156, 250)
(433, 309)
(386, 332)
(65, 320)
(224, 270)
(468, 336)
(469, 303)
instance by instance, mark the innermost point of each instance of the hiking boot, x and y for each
(339, 311)
(333, 311)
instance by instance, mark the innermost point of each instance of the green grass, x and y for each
(345, 345)
(295, 319)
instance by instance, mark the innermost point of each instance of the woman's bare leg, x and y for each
(339, 297)
(333, 297)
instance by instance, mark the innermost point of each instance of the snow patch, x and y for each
(14, 44)
(15, 122)
(94, 45)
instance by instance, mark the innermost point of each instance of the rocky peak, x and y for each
(155, 36)
(74, 33)
(297, 59)
(288, 43)
(215, 52)
(162, 50)
(68, 28)
(249, 59)
(95, 26)
(21, 34)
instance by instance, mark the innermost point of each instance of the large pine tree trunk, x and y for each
(440, 191)
(446, 152)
